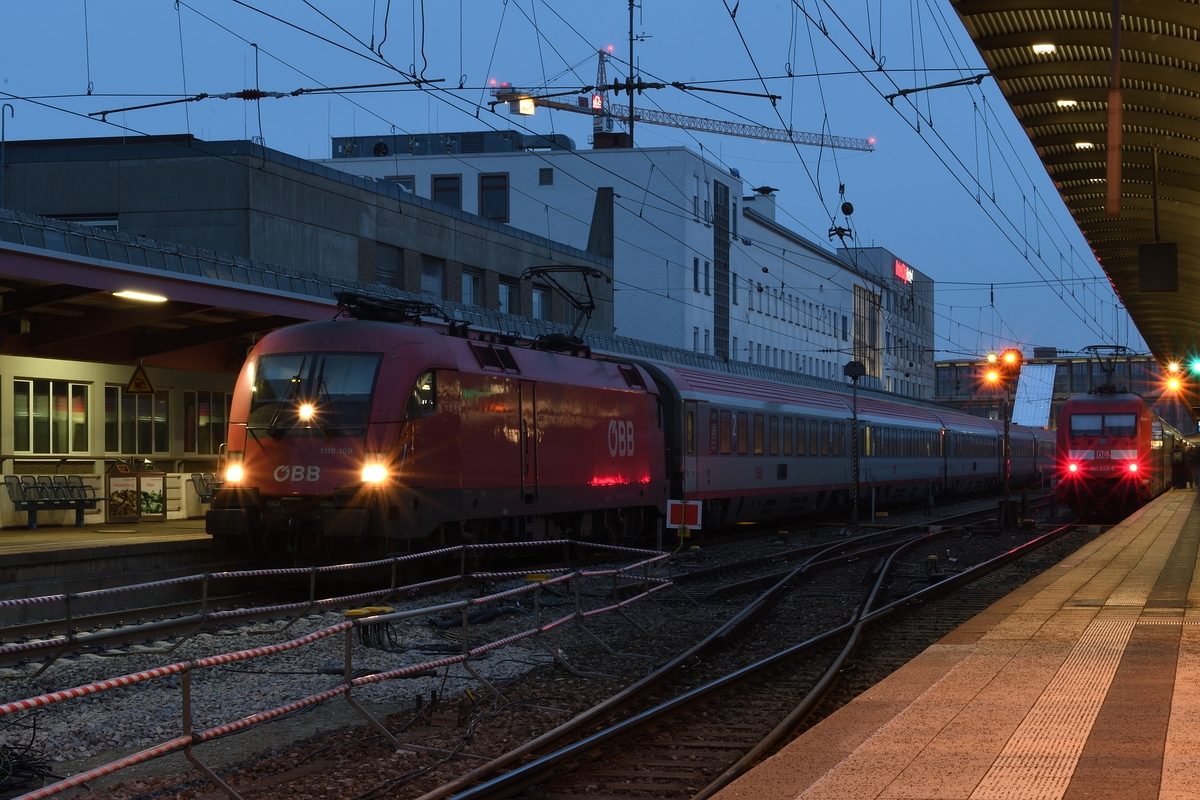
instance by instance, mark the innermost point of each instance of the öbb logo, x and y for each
(297, 472)
(620, 437)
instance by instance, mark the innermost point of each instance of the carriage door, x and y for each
(691, 436)
(529, 465)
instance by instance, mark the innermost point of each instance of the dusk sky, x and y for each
(953, 187)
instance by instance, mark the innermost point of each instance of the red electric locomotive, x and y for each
(1114, 454)
(349, 437)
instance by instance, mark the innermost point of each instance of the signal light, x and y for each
(992, 358)
(1173, 384)
(1196, 366)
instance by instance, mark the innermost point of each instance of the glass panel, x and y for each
(189, 422)
(220, 418)
(112, 427)
(204, 423)
(801, 438)
(21, 402)
(60, 441)
(725, 434)
(339, 385)
(41, 416)
(145, 424)
(825, 438)
(758, 434)
(1086, 424)
(162, 442)
(773, 436)
(743, 432)
(691, 432)
(1120, 424)
(128, 423)
(423, 400)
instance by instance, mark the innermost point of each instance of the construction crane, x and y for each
(604, 114)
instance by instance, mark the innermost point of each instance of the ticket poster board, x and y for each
(152, 498)
(122, 493)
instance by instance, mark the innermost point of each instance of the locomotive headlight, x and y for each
(233, 469)
(374, 473)
(305, 412)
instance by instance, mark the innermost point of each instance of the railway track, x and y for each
(693, 730)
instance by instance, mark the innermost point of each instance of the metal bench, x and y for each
(205, 485)
(50, 493)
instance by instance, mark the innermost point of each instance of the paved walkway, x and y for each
(1084, 683)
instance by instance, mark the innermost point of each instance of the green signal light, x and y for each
(1196, 366)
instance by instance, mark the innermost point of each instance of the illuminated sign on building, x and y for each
(903, 271)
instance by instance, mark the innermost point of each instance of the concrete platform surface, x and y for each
(1084, 683)
(66, 537)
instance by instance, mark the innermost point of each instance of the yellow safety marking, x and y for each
(1040, 757)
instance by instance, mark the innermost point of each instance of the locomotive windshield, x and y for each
(325, 392)
(1103, 424)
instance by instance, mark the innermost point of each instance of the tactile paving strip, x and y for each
(1039, 759)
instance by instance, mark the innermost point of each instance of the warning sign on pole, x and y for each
(139, 383)
(683, 512)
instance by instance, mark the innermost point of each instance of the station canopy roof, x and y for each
(1060, 95)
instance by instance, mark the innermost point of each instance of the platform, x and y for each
(1084, 683)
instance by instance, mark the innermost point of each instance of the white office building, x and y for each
(700, 262)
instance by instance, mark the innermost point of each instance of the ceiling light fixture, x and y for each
(1044, 49)
(1067, 103)
(1085, 145)
(143, 296)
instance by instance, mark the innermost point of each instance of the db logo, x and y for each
(297, 473)
(620, 437)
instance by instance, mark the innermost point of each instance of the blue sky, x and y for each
(953, 187)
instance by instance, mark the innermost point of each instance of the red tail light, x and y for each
(1133, 466)
(1072, 468)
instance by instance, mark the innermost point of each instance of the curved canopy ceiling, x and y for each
(1061, 97)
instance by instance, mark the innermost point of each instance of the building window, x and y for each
(493, 197)
(546, 176)
(205, 416)
(407, 182)
(695, 340)
(508, 297)
(733, 220)
(734, 288)
(447, 189)
(472, 288)
(706, 343)
(541, 303)
(135, 424)
(50, 417)
(707, 271)
(696, 200)
(431, 277)
(845, 329)
(733, 348)
(695, 274)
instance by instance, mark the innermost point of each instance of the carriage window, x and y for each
(725, 434)
(773, 436)
(758, 434)
(1086, 424)
(814, 438)
(787, 436)
(423, 400)
(712, 432)
(866, 441)
(801, 435)
(825, 438)
(743, 432)
(691, 432)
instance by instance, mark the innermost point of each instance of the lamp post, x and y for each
(854, 370)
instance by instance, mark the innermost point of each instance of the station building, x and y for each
(194, 229)
(700, 262)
